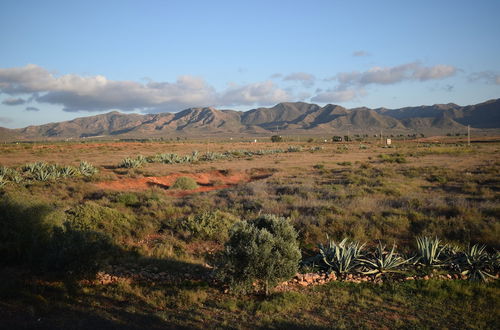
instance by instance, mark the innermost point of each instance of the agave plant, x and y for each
(429, 251)
(476, 263)
(383, 261)
(294, 149)
(10, 174)
(43, 175)
(128, 162)
(343, 257)
(87, 169)
(68, 171)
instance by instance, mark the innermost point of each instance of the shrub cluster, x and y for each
(184, 183)
(41, 171)
(195, 156)
(35, 235)
(351, 257)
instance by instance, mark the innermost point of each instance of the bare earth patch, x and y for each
(207, 181)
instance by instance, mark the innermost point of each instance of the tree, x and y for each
(276, 138)
(264, 252)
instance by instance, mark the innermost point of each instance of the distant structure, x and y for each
(337, 138)
(388, 142)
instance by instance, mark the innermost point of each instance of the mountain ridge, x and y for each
(286, 117)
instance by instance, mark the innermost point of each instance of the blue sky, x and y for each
(65, 59)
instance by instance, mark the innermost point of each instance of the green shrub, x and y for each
(25, 228)
(184, 183)
(80, 252)
(34, 235)
(276, 138)
(94, 217)
(210, 225)
(263, 252)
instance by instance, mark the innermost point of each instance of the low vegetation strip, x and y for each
(41, 171)
(195, 156)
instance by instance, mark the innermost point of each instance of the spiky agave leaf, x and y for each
(429, 251)
(87, 169)
(382, 261)
(343, 257)
(477, 263)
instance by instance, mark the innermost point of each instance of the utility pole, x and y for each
(468, 135)
(381, 138)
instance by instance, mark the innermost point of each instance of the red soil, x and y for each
(208, 181)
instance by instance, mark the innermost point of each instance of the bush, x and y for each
(33, 235)
(80, 252)
(184, 183)
(111, 222)
(210, 225)
(276, 138)
(261, 252)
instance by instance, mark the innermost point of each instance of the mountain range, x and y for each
(284, 118)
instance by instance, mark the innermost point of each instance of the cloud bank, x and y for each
(13, 101)
(97, 93)
(306, 79)
(352, 84)
(489, 77)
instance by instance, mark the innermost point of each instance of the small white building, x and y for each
(388, 142)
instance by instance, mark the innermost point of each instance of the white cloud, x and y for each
(489, 77)
(14, 101)
(305, 78)
(5, 120)
(360, 53)
(261, 93)
(395, 74)
(335, 96)
(97, 93)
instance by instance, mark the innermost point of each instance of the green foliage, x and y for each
(184, 183)
(264, 251)
(294, 149)
(136, 162)
(76, 250)
(25, 227)
(87, 169)
(276, 138)
(35, 235)
(393, 158)
(111, 222)
(343, 257)
(476, 263)
(429, 251)
(381, 261)
(210, 225)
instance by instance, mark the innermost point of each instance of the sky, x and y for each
(65, 59)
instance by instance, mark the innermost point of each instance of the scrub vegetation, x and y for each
(410, 235)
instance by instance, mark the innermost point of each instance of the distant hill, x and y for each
(286, 118)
